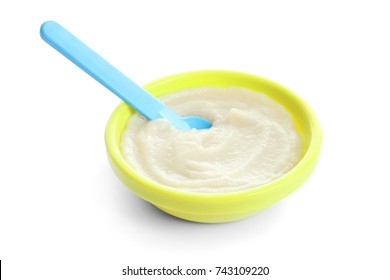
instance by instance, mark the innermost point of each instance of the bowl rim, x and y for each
(307, 160)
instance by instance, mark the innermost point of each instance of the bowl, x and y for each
(217, 207)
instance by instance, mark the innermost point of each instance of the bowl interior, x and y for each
(303, 116)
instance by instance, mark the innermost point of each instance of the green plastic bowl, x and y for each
(219, 207)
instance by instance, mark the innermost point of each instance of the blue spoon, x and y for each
(110, 77)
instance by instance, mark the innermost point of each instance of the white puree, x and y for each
(253, 141)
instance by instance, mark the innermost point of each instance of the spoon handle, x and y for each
(102, 71)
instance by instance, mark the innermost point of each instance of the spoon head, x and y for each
(197, 122)
(184, 123)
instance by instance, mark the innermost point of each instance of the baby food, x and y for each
(253, 141)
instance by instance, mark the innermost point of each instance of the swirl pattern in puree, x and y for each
(253, 141)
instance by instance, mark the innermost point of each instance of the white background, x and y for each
(64, 215)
